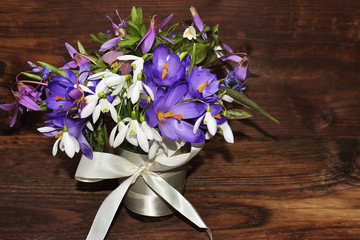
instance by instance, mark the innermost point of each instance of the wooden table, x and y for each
(286, 188)
(296, 180)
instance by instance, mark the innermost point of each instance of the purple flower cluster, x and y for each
(180, 98)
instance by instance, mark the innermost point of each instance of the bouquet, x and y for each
(147, 87)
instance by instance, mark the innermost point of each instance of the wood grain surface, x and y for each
(296, 180)
(297, 188)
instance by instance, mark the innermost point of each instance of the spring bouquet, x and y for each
(139, 108)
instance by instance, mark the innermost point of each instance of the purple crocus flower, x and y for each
(169, 115)
(119, 29)
(78, 58)
(167, 68)
(198, 22)
(75, 127)
(149, 37)
(26, 97)
(63, 93)
(203, 85)
(236, 78)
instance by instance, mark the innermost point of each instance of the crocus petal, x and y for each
(13, 119)
(185, 131)
(167, 39)
(148, 42)
(71, 50)
(85, 146)
(189, 110)
(110, 44)
(167, 129)
(111, 56)
(8, 107)
(27, 102)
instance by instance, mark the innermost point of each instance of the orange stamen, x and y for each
(217, 116)
(202, 86)
(163, 75)
(161, 115)
(60, 98)
(59, 134)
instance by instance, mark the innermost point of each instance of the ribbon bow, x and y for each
(109, 166)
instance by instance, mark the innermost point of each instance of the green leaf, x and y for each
(32, 75)
(200, 53)
(102, 37)
(242, 99)
(54, 69)
(95, 38)
(193, 58)
(237, 114)
(136, 15)
(81, 48)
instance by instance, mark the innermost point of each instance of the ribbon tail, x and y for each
(107, 210)
(175, 199)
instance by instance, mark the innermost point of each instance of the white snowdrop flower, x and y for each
(136, 136)
(66, 143)
(150, 132)
(190, 33)
(227, 98)
(46, 129)
(137, 64)
(104, 106)
(208, 120)
(136, 89)
(226, 131)
(118, 133)
(94, 107)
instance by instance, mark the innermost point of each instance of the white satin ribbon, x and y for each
(109, 166)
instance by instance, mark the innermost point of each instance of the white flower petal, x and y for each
(88, 109)
(197, 123)
(120, 137)
(141, 137)
(68, 144)
(46, 129)
(112, 136)
(127, 58)
(131, 133)
(135, 95)
(89, 126)
(153, 149)
(85, 89)
(113, 112)
(211, 123)
(55, 146)
(149, 91)
(147, 130)
(96, 113)
(227, 98)
(116, 101)
(227, 132)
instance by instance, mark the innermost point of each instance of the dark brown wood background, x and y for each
(296, 180)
